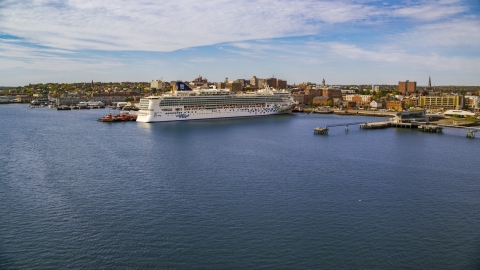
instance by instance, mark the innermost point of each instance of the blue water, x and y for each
(260, 193)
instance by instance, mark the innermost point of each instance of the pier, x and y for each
(421, 126)
(375, 125)
(430, 128)
(320, 130)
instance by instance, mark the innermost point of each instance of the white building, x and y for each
(365, 98)
(458, 112)
(346, 91)
(157, 84)
(472, 102)
(376, 104)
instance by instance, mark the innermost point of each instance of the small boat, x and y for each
(108, 118)
(128, 117)
(63, 108)
(118, 117)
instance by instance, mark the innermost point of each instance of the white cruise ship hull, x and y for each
(184, 115)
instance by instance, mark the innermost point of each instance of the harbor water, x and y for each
(252, 193)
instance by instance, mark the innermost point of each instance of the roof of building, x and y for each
(459, 113)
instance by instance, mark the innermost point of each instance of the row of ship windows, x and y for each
(214, 102)
(211, 112)
(214, 107)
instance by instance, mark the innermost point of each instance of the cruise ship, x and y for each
(185, 103)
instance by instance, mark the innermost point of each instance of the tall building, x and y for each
(406, 88)
(156, 84)
(254, 81)
(323, 82)
(281, 84)
(272, 82)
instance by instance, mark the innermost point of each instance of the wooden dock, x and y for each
(421, 126)
(375, 125)
(320, 130)
(430, 128)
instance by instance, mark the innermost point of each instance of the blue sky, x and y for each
(345, 42)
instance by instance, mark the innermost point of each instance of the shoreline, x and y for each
(350, 112)
(450, 122)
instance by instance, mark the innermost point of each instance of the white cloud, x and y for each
(453, 33)
(331, 52)
(167, 25)
(431, 10)
(16, 55)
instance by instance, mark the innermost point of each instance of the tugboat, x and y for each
(128, 117)
(108, 118)
(118, 117)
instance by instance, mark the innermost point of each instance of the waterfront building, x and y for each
(409, 116)
(449, 102)
(332, 93)
(472, 102)
(362, 100)
(359, 98)
(376, 104)
(320, 101)
(350, 104)
(395, 105)
(302, 99)
(459, 113)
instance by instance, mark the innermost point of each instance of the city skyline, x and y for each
(345, 42)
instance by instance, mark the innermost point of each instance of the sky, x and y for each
(343, 42)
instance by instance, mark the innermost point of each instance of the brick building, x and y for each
(332, 93)
(320, 101)
(407, 87)
(395, 105)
